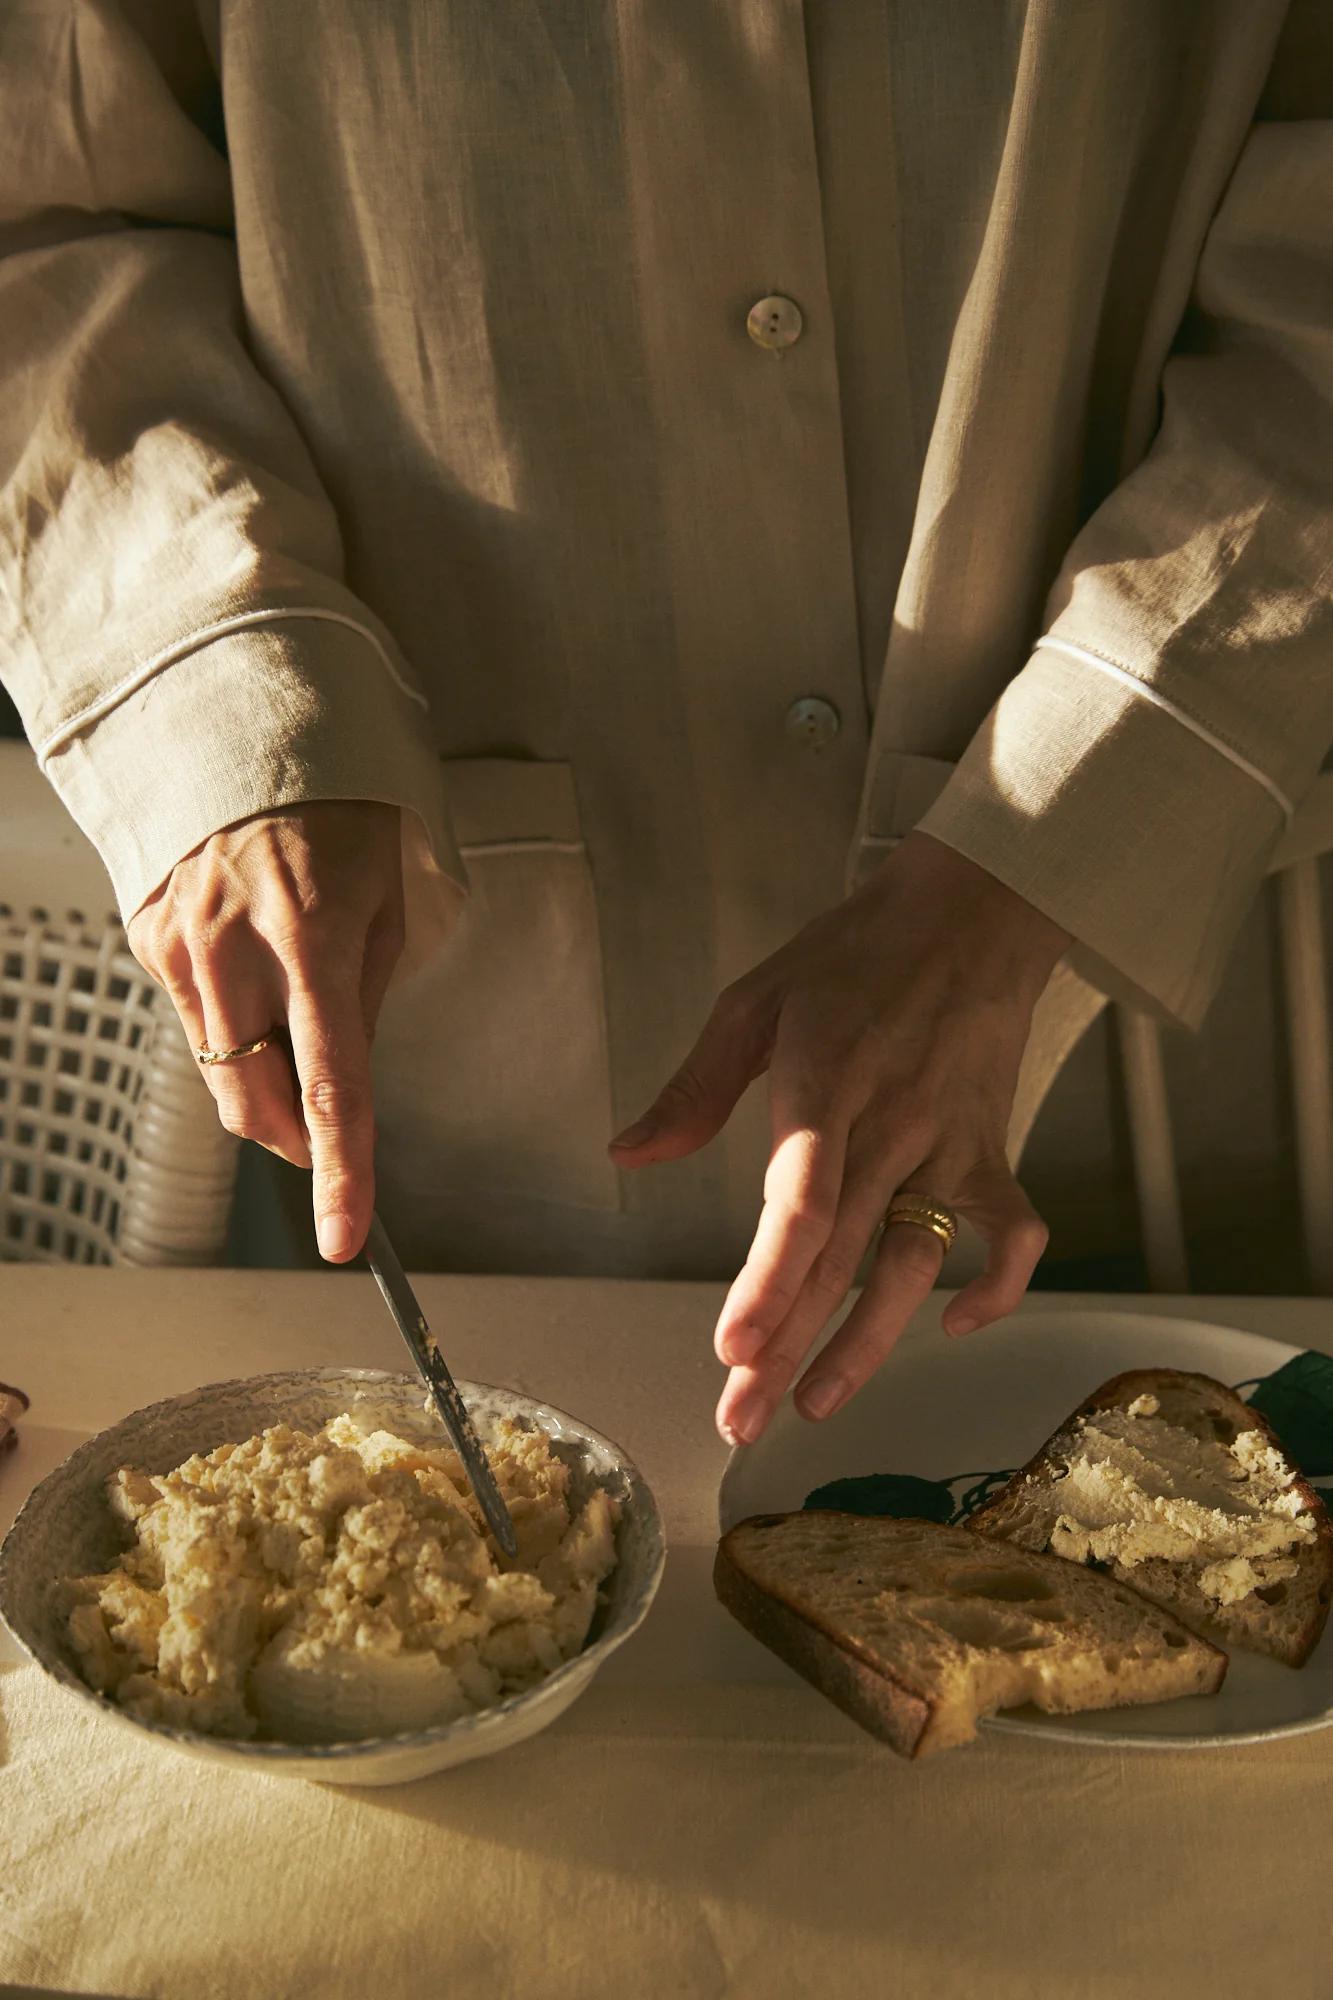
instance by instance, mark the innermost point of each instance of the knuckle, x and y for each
(206, 938)
(875, 1339)
(302, 948)
(240, 1120)
(783, 1356)
(239, 1113)
(161, 951)
(912, 1118)
(320, 918)
(733, 1007)
(683, 1092)
(292, 897)
(338, 1192)
(1004, 1296)
(833, 1271)
(1030, 1237)
(331, 1101)
(308, 933)
(142, 934)
(780, 1290)
(174, 977)
(811, 1218)
(197, 937)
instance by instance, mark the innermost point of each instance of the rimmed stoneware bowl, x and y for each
(66, 1529)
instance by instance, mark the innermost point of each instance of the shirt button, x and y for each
(813, 722)
(775, 323)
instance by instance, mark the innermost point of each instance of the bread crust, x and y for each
(1316, 1558)
(911, 1718)
(869, 1695)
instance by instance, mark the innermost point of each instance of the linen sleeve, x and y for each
(1135, 776)
(175, 628)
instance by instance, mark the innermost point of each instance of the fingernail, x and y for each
(335, 1236)
(741, 1343)
(958, 1327)
(637, 1134)
(730, 1436)
(821, 1398)
(747, 1420)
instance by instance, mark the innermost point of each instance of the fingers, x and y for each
(792, 1236)
(907, 1268)
(295, 917)
(998, 1209)
(256, 1096)
(225, 998)
(696, 1103)
(765, 1338)
(902, 1277)
(769, 1360)
(331, 1052)
(819, 1208)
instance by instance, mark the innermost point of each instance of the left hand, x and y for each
(892, 1029)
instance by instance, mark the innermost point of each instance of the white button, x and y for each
(775, 323)
(813, 722)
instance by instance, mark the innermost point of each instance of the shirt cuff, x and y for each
(1128, 830)
(271, 715)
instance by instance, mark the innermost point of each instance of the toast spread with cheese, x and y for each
(1177, 1488)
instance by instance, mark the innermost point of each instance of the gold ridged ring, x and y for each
(204, 1056)
(923, 1213)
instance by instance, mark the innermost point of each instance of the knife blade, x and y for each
(402, 1302)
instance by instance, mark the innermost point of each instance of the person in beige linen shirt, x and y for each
(824, 505)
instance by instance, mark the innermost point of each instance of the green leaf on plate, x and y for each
(1297, 1400)
(897, 1493)
(976, 1487)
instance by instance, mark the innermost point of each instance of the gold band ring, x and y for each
(923, 1213)
(204, 1055)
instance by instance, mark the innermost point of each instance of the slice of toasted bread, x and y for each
(1283, 1617)
(916, 1630)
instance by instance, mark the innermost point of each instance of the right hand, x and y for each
(290, 920)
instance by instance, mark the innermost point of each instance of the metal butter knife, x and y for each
(401, 1300)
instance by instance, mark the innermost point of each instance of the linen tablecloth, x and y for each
(699, 1824)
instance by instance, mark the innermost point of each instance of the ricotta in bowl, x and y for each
(310, 1587)
(328, 1594)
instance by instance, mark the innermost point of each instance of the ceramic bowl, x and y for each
(66, 1528)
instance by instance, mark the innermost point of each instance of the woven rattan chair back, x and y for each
(110, 1149)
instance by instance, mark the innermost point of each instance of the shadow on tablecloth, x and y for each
(40, 1449)
(51, 1993)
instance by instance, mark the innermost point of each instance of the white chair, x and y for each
(110, 1149)
(1069, 1007)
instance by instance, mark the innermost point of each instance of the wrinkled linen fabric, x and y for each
(380, 421)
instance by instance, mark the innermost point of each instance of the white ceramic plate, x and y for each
(959, 1412)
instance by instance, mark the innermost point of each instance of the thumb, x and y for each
(696, 1103)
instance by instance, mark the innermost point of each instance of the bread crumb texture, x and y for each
(962, 1626)
(316, 1588)
(1138, 1487)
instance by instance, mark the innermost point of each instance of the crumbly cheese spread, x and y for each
(1138, 1486)
(324, 1587)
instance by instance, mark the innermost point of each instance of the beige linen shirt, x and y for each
(380, 419)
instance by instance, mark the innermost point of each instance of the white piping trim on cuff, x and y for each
(474, 849)
(1180, 715)
(148, 669)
